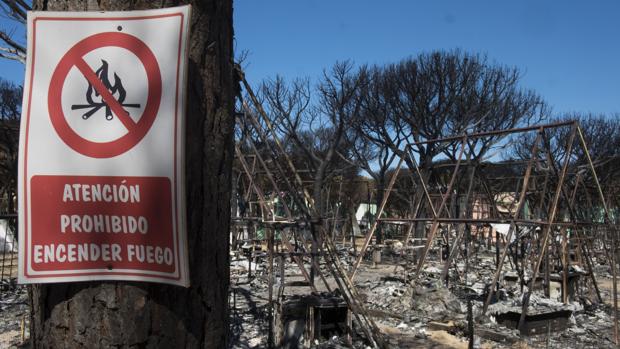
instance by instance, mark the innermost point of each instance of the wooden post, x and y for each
(281, 262)
(614, 273)
(310, 326)
(314, 249)
(470, 323)
(270, 239)
(250, 258)
(496, 249)
(547, 273)
(349, 330)
(565, 266)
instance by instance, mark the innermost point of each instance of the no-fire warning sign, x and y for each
(101, 174)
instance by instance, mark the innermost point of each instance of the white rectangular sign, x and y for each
(101, 162)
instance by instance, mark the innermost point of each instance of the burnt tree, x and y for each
(10, 109)
(316, 129)
(146, 315)
(372, 139)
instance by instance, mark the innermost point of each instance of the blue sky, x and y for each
(568, 51)
(9, 69)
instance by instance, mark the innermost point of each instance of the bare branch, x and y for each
(10, 53)
(7, 39)
(15, 9)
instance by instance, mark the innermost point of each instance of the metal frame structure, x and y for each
(553, 200)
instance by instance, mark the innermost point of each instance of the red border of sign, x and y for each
(175, 181)
(135, 130)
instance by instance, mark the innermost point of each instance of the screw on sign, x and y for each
(99, 82)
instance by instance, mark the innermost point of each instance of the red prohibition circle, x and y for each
(135, 130)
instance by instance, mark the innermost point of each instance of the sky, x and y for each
(568, 51)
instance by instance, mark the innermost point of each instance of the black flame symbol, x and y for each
(102, 74)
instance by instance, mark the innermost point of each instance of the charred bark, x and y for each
(145, 315)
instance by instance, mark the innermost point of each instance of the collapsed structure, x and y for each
(498, 251)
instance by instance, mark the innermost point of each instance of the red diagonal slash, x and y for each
(107, 97)
(136, 130)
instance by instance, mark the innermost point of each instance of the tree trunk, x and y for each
(148, 315)
(380, 195)
(317, 215)
(420, 227)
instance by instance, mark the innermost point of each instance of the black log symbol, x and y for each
(102, 74)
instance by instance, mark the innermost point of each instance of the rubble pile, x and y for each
(393, 296)
(14, 315)
(426, 313)
(408, 313)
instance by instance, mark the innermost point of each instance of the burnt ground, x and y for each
(14, 314)
(426, 314)
(422, 314)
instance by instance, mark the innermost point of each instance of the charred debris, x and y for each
(461, 252)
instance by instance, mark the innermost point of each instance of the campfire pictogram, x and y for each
(117, 90)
